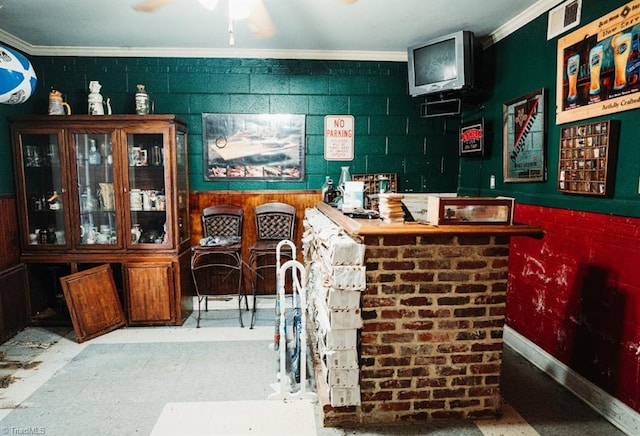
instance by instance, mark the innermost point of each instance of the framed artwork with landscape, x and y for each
(253, 146)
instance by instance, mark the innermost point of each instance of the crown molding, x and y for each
(17, 43)
(190, 52)
(522, 19)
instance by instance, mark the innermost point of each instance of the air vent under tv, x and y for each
(563, 18)
(440, 108)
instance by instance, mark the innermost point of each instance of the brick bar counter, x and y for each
(429, 342)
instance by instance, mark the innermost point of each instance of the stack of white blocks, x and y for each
(336, 278)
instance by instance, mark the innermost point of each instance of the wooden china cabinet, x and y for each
(95, 190)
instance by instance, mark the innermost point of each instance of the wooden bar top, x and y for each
(375, 227)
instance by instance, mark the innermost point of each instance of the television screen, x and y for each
(436, 63)
(442, 64)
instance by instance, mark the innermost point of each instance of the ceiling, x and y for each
(305, 29)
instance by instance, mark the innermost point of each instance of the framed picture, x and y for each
(253, 146)
(598, 69)
(471, 141)
(138, 157)
(524, 150)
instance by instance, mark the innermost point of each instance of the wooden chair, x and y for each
(274, 223)
(218, 258)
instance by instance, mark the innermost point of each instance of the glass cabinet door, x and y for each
(97, 207)
(147, 190)
(44, 194)
(183, 190)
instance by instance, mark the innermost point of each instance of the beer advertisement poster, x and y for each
(524, 125)
(599, 66)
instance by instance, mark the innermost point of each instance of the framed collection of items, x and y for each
(587, 158)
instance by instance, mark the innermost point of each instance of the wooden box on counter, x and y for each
(469, 210)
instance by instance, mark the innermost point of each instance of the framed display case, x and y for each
(469, 210)
(106, 189)
(587, 158)
(372, 188)
(372, 182)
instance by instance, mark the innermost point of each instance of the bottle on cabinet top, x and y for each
(94, 156)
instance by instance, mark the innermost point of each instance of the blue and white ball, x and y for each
(17, 77)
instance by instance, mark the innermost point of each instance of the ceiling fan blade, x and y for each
(150, 5)
(260, 22)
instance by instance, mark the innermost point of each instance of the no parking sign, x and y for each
(338, 137)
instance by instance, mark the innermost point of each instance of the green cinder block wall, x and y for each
(519, 64)
(390, 135)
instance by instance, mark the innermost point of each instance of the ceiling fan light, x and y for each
(239, 9)
(209, 4)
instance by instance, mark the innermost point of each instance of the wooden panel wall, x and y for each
(9, 242)
(14, 301)
(301, 200)
(14, 298)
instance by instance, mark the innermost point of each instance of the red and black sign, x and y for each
(472, 138)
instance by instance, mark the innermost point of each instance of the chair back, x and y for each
(275, 221)
(222, 220)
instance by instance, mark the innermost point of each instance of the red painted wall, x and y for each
(576, 294)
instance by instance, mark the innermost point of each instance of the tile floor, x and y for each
(216, 380)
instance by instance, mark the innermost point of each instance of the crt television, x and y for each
(442, 64)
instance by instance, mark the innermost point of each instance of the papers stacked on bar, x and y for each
(390, 208)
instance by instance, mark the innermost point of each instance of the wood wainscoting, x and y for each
(301, 200)
(14, 298)
(9, 242)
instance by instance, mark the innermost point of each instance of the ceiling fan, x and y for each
(254, 11)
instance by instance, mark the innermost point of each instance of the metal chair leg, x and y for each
(199, 312)
(253, 293)
(240, 292)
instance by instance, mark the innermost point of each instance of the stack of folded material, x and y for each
(390, 208)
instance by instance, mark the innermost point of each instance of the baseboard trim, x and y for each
(612, 409)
